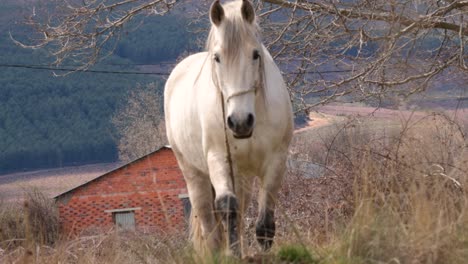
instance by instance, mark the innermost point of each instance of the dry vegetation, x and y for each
(140, 123)
(401, 192)
(388, 193)
(35, 221)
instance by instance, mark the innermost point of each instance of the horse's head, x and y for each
(236, 51)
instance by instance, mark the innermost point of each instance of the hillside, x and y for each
(48, 121)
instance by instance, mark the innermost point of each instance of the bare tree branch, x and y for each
(428, 21)
(85, 31)
(329, 50)
(361, 50)
(140, 123)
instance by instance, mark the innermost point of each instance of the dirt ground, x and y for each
(460, 115)
(318, 119)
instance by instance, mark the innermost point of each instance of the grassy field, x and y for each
(392, 189)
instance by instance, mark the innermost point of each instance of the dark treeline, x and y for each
(48, 121)
(156, 39)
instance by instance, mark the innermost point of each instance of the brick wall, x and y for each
(151, 186)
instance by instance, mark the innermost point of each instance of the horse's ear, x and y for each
(216, 13)
(248, 12)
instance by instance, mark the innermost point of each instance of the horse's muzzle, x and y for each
(241, 126)
(242, 137)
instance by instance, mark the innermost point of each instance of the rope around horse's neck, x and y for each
(226, 141)
(223, 111)
(252, 90)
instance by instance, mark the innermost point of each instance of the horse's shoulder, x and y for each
(191, 61)
(185, 70)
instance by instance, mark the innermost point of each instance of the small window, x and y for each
(124, 220)
(187, 207)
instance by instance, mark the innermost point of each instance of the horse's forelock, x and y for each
(234, 33)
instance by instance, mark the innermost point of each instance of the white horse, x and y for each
(229, 120)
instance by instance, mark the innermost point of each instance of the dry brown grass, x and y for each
(391, 191)
(409, 202)
(410, 196)
(33, 221)
(110, 247)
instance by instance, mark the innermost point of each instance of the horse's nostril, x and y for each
(230, 123)
(250, 120)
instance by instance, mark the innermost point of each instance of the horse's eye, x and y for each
(216, 58)
(256, 54)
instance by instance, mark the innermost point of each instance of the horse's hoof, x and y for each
(265, 243)
(227, 207)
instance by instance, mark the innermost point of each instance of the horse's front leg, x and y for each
(226, 202)
(270, 184)
(204, 230)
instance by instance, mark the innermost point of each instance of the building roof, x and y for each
(110, 172)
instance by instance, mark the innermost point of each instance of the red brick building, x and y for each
(148, 194)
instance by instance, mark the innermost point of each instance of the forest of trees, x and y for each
(48, 121)
(157, 39)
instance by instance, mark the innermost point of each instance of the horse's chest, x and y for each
(248, 156)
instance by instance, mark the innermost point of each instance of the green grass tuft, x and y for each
(295, 254)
